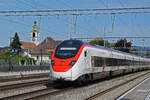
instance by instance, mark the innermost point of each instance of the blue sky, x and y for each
(58, 27)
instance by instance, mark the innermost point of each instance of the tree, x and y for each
(100, 42)
(148, 53)
(134, 51)
(123, 45)
(16, 43)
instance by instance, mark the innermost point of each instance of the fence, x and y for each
(23, 65)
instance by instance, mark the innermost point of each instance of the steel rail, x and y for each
(36, 94)
(113, 88)
(20, 85)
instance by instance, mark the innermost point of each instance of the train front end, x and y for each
(64, 61)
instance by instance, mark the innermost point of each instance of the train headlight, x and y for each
(52, 62)
(72, 62)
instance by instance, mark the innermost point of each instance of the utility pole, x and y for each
(143, 49)
(124, 43)
(39, 23)
(41, 55)
(75, 24)
(70, 27)
(104, 37)
(10, 55)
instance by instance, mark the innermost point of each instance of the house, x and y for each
(44, 50)
(39, 51)
(27, 47)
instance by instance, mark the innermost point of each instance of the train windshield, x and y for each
(68, 49)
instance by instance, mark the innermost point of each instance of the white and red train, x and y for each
(76, 60)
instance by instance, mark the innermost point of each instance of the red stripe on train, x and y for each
(62, 65)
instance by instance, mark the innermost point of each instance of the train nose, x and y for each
(61, 76)
(63, 65)
(62, 68)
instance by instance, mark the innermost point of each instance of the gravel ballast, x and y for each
(87, 91)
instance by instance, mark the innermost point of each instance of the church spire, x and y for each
(35, 27)
(35, 33)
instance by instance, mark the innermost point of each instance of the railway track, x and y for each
(13, 88)
(113, 88)
(34, 95)
(30, 94)
(24, 84)
(52, 92)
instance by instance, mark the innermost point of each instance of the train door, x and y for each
(87, 59)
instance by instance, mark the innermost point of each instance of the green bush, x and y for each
(5, 59)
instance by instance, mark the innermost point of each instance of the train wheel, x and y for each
(80, 81)
(83, 80)
(87, 79)
(110, 74)
(56, 84)
(90, 78)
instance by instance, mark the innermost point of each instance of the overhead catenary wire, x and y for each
(68, 10)
(27, 25)
(36, 4)
(63, 12)
(73, 24)
(64, 3)
(106, 5)
(119, 1)
(79, 14)
(57, 12)
(39, 21)
(113, 16)
(26, 3)
(94, 13)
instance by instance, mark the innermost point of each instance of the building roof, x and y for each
(28, 45)
(46, 47)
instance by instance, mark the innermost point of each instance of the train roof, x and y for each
(109, 49)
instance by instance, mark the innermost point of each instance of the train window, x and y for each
(129, 62)
(109, 62)
(119, 62)
(97, 61)
(68, 49)
(115, 62)
(85, 53)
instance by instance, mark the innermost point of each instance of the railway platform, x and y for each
(139, 92)
(9, 75)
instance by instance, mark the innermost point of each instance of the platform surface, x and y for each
(139, 92)
(6, 75)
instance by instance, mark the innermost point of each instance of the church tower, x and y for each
(35, 35)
